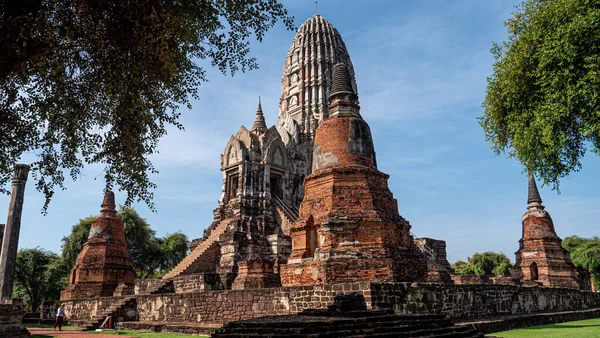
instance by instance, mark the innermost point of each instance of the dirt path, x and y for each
(70, 333)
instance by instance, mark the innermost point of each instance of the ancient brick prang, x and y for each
(305, 87)
(104, 262)
(349, 227)
(541, 258)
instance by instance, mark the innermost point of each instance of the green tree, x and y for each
(463, 268)
(73, 244)
(39, 276)
(174, 249)
(585, 254)
(152, 256)
(542, 102)
(488, 264)
(88, 81)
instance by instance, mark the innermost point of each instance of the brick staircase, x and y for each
(197, 253)
(166, 286)
(379, 324)
(97, 320)
(287, 207)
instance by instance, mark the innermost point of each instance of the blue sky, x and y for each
(421, 69)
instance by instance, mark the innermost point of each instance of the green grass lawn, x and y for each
(579, 329)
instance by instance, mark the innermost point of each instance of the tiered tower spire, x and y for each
(541, 260)
(259, 126)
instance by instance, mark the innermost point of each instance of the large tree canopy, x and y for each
(85, 81)
(152, 256)
(585, 254)
(39, 275)
(543, 98)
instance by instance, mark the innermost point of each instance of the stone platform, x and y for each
(505, 323)
(10, 321)
(172, 327)
(357, 324)
(458, 302)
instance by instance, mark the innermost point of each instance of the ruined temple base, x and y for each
(87, 291)
(254, 274)
(10, 321)
(360, 325)
(171, 327)
(350, 270)
(459, 302)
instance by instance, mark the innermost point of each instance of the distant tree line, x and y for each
(41, 274)
(486, 264)
(584, 252)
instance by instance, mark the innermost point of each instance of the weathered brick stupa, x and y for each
(104, 261)
(349, 227)
(541, 259)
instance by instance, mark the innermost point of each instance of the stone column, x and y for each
(10, 242)
(2, 226)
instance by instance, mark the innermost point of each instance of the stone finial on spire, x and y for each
(341, 82)
(259, 126)
(533, 196)
(343, 99)
(108, 204)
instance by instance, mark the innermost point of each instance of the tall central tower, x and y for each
(305, 88)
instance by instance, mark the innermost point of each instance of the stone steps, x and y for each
(165, 287)
(379, 325)
(96, 321)
(197, 253)
(169, 327)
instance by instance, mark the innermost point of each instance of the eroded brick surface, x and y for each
(349, 227)
(104, 262)
(540, 258)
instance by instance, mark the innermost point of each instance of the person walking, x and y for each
(60, 317)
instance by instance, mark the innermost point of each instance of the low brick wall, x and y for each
(78, 310)
(219, 307)
(477, 301)
(48, 309)
(469, 279)
(459, 302)
(197, 282)
(142, 285)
